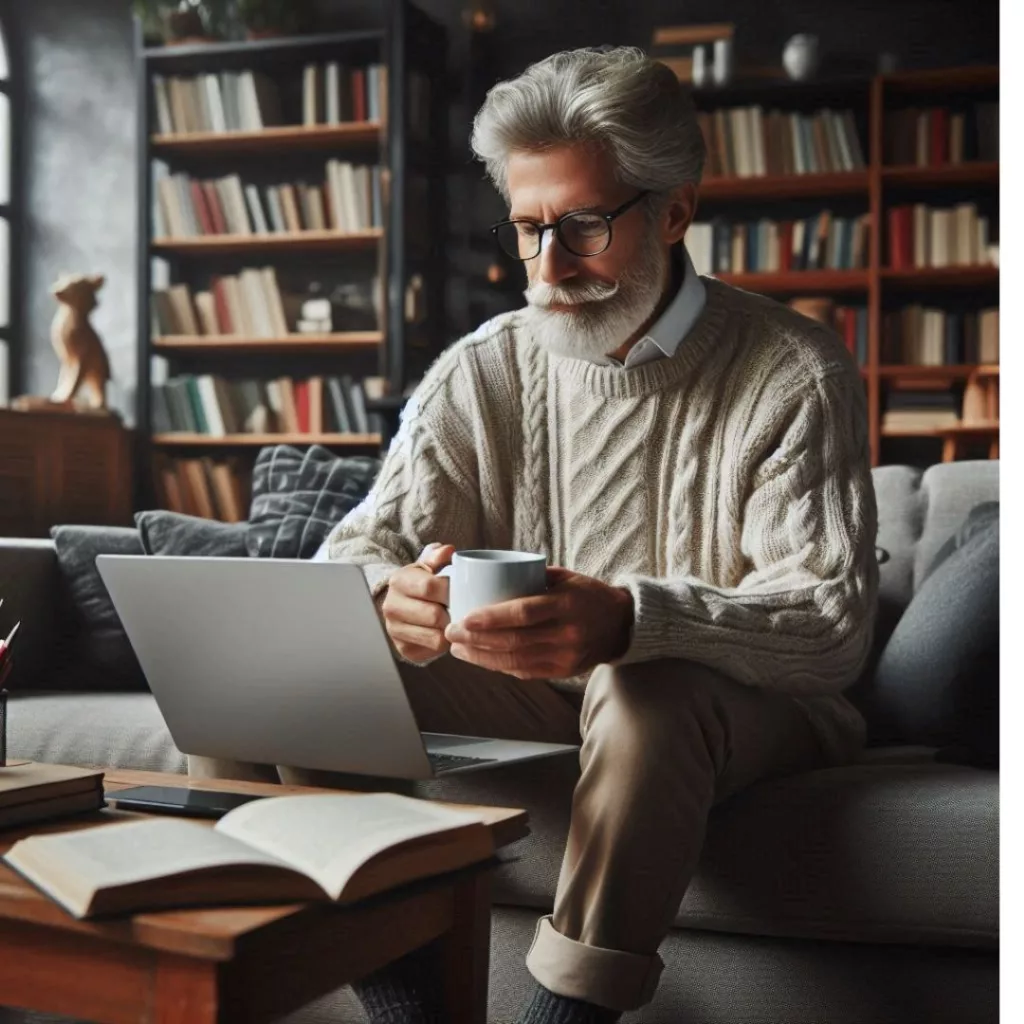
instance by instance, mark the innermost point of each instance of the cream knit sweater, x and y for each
(726, 486)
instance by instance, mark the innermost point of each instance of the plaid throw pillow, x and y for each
(298, 495)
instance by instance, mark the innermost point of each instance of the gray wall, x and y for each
(80, 122)
(79, 176)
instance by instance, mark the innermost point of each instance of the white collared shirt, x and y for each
(667, 332)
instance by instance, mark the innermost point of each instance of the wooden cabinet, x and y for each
(62, 468)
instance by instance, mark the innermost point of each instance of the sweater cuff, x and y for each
(655, 628)
(378, 575)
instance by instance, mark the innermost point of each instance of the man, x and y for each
(692, 458)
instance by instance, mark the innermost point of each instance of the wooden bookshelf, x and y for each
(228, 343)
(980, 276)
(789, 186)
(269, 140)
(910, 372)
(258, 245)
(400, 125)
(878, 187)
(258, 440)
(798, 282)
(943, 176)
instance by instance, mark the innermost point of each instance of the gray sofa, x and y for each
(859, 895)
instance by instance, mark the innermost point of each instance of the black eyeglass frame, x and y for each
(556, 226)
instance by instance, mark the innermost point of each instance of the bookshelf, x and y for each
(875, 104)
(393, 118)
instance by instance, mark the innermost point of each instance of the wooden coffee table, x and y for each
(246, 964)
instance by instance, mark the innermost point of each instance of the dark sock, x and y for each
(405, 992)
(548, 1008)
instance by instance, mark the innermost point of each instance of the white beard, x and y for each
(604, 316)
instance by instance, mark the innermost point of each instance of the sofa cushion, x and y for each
(298, 495)
(172, 533)
(120, 730)
(938, 678)
(95, 651)
(874, 852)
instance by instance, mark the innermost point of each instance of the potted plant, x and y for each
(174, 22)
(262, 18)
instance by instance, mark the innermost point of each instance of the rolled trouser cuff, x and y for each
(605, 977)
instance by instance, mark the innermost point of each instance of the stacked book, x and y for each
(210, 488)
(333, 93)
(350, 199)
(823, 242)
(748, 142)
(249, 304)
(35, 792)
(935, 136)
(917, 336)
(217, 407)
(920, 410)
(225, 102)
(922, 236)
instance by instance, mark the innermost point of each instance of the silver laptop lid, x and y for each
(281, 661)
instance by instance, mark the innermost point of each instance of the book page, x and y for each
(129, 852)
(328, 837)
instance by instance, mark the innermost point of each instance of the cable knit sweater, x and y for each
(727, 487)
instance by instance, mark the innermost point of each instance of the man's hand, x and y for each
(579, 623)
(414, 609)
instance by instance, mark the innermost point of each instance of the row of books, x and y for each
(229, 101)
(218, 407)
(211, 488)
(351, 199)
(852, 324)
(924, 236)
(935, 136)
(332, 93)
(248, 304)
(747, 142)
(919, 336)
(720, 246)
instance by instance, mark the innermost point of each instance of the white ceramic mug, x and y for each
(481, 578)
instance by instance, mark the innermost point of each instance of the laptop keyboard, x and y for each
(446, 762)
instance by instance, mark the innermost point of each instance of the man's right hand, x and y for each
(415, 607)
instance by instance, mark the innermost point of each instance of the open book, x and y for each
(341, 847)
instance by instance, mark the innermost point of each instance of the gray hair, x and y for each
(619, 98)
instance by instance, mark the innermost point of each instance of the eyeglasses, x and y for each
(582, 234)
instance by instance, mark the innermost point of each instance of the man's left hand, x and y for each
(578, 623)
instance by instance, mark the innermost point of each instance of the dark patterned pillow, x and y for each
(298, 495)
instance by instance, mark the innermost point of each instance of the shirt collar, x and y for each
(667, 332)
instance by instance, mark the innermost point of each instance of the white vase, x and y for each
(701, 69)
(800, 57)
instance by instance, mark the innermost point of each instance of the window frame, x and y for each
(13, 210)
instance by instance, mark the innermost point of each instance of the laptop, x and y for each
(282, 661)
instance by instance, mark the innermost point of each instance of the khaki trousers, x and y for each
(662, 743)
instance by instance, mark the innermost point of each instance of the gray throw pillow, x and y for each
(937, 681)
(298, 495)
(171, 533)
(95, 652)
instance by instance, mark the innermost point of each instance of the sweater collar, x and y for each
(617, 381)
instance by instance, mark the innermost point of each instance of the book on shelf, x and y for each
(920, 336)
(335, 94)
(31, 791)
(750, 142)
(328, 847)
(350, 198)
(206, 487)
(824, 242)
(920, 409)
(224, 102)
(936, 136)
(925, 236)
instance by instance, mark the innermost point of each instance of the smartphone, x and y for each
(194, 803)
